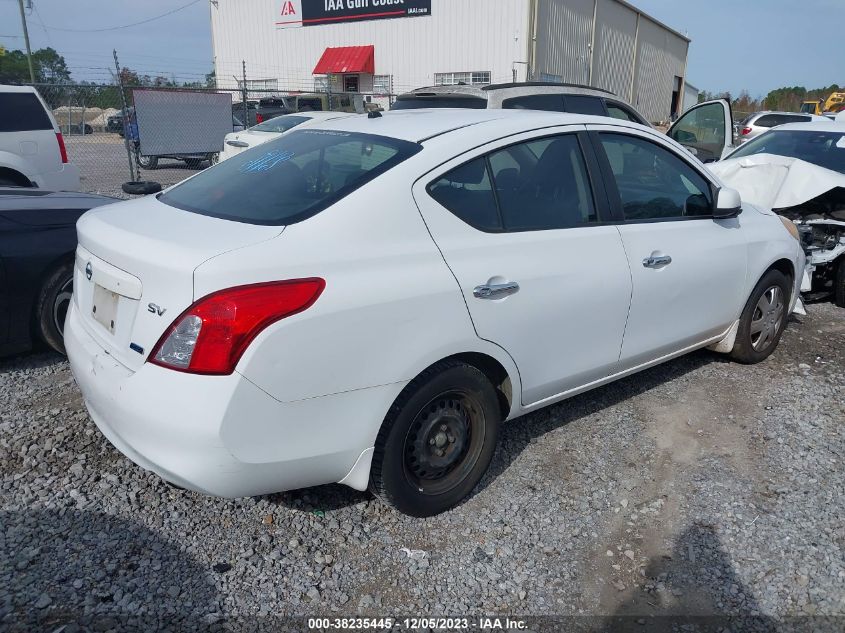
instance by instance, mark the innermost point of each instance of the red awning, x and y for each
(347, 59)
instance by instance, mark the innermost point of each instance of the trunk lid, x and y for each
(135, 266)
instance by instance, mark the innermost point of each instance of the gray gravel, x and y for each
(699, 487)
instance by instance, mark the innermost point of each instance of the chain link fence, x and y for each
(102, 137)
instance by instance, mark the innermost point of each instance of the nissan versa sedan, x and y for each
(367, 301)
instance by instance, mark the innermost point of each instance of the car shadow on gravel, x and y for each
(695, 588)
(92, 571)
(31, 360)
(516, 435)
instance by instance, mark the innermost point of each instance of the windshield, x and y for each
(825, 149)
(446, 101)
(279, 124)
(291, 178)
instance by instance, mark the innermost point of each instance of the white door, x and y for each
(518, 227)
(706, 130)
(688, 270)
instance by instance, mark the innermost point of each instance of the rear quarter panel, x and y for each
(390, 309)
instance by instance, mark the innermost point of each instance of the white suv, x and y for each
(32, 150)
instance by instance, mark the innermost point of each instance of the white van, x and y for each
(32, 150)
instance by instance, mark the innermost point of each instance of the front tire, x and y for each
(763, 319)
(839, 284)
(52, 307)
(437, 440)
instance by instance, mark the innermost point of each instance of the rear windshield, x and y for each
(22, 112)
(447, 101)
(825, 149)
(279, 124)
(290, 178)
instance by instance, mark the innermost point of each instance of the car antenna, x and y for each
(373, 114)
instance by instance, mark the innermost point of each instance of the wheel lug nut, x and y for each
(431, 441)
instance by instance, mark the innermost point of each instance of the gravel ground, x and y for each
(699, 487)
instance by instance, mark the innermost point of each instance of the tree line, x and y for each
(51, 68)
(787, 99)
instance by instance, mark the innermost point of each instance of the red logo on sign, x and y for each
(288, 8)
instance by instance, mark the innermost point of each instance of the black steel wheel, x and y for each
(53, 304)
(437, 440)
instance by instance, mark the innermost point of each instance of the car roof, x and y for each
(426, 123)
(9, 88)
(823, 124)
(19, 198)
(526, 87)
(814, 116)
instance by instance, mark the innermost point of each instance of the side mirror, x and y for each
(728, 204)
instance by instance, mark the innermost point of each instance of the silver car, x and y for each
(758, 122)
(531, 95)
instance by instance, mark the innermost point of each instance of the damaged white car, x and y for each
(798, 171)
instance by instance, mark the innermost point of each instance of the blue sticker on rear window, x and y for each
(266, 162)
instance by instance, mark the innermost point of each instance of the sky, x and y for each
(756, 45)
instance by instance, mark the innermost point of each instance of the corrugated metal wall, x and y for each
(613, 50)
(661, 56)
(564, 32)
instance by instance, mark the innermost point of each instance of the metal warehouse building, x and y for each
(381, 47)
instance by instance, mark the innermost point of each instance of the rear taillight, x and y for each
(211, 336)
(259, 118)
(62, 149)
(745, 130)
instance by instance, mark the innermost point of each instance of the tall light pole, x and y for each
(26, 39)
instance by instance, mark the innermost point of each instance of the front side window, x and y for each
(654, 183)
(536, 185)
(309, 104)
(290, 178)
(279, 124)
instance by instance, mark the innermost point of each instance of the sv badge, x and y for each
(155, 309)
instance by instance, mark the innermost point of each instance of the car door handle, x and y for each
(495, 291)
(237, 143)
(656, 261)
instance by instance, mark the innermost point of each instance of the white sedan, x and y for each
(365, 302)
(236, 142)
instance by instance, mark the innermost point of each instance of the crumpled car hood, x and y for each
(776, 182)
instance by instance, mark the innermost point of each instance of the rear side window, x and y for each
(291, 178)
(585, 105)
(547, 102)
(22, 112)
(537, 185)
(772, 120)
(446, 101)
(467, 192)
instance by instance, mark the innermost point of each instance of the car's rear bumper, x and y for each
(221, 435)
(65, 179)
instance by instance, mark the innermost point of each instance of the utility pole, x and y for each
(26, 39)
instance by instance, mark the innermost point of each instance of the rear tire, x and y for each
(437, 440)
(763, 319)
(839, 284)
(52, 306)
